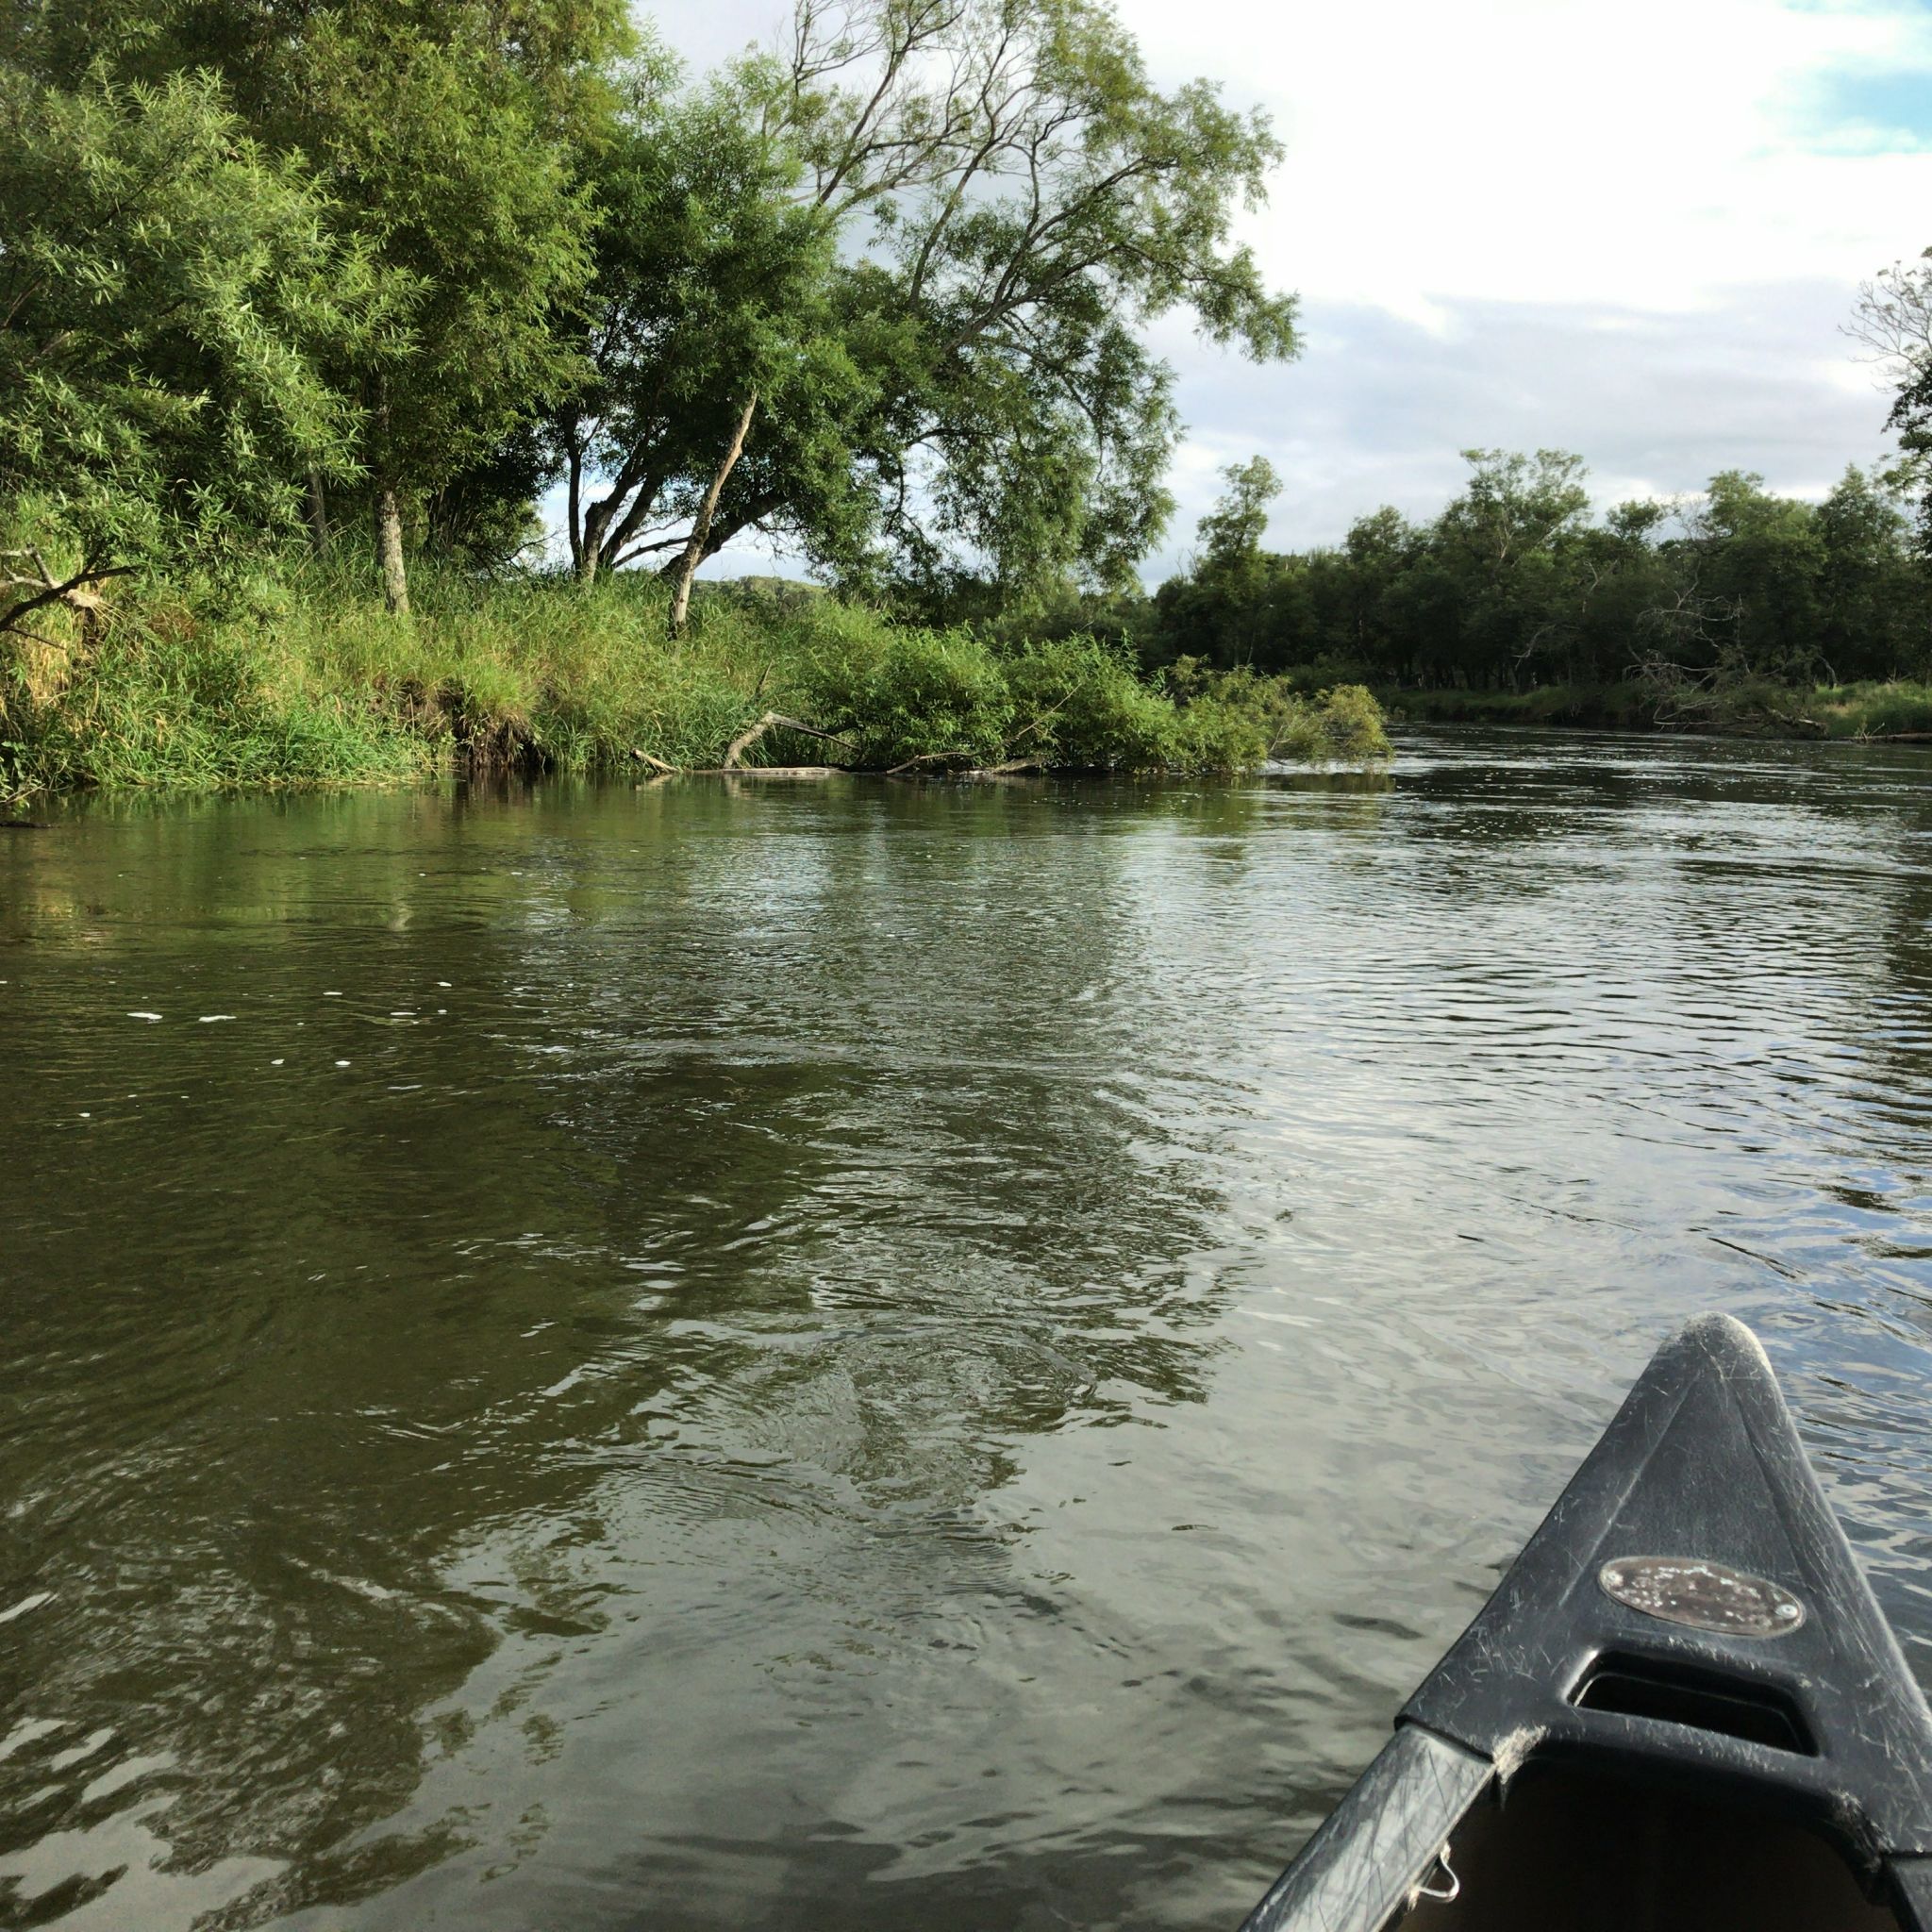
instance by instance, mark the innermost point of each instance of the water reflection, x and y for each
(712, 1354)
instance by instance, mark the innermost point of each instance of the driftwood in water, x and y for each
(923, 759)
(774, 772)
(1013, 768)
(733, 766)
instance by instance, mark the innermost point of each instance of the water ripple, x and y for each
(883, 1354)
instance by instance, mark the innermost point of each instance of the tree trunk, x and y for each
(575, 518)
(701, 529)
(320, 536)
(389, 550)
(641, 505)
(589, 545)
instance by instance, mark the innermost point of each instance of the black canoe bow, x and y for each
(1682, 1707)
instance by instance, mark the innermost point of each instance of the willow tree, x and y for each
(712, 307)
(450, 137)
(979, 205)
(173, 297)
(1894, 319)
(454, 132)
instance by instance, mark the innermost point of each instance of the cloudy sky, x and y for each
(1629, 230)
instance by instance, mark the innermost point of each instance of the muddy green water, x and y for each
(871, 1357)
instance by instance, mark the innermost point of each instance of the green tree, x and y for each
(1893, 318)
(451, 135)
(1231, 532)
(172, 294)
(1762, 556)
(454, 134)
(1238, 605)
(1504, 550)
(713, 305)
(1009, 200)
(1872, 592)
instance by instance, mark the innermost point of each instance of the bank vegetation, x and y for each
(315, 313)
(299, 675)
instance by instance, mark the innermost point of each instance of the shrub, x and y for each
(294, 674)
(1350, 727)
(896, 695)
(1077, 701)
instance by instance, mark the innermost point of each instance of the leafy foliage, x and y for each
(926, 236)
(172, 295)
(277, 678)
(713, 282)
(898, 694)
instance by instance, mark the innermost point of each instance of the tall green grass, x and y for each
(299, 676)
(1873, 711)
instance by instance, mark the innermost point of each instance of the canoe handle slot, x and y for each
(1703, 1700)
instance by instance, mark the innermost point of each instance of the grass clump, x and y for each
(1874, 710)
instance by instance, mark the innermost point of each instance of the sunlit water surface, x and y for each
(871, 1356)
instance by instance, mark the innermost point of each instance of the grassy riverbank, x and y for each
(1867, 709)
(305, 679)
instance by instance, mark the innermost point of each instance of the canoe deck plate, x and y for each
(1704, 1594)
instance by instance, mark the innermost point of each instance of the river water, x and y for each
(867, 1356)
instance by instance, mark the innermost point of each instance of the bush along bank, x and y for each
(304, 679)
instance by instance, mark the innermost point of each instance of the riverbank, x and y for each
(1864, 710)
(307, 679)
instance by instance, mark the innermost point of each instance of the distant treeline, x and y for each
(1517, 585)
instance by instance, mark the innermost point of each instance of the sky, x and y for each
(1634, 231)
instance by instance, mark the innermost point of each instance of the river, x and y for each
(859, 1356)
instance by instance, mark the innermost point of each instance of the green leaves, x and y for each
(452, 142)
(714, 279)
(930, 235)
(321, 243)
(1063, 203)
(171, 293)
(1231, 533)
(1514, 587)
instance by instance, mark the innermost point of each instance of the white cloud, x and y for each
(1560, 150)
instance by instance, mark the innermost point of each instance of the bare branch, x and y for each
(76, 592)
(752, 733)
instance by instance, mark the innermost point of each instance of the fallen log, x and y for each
(1013, 768)
(771, 772)
(752, 733)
